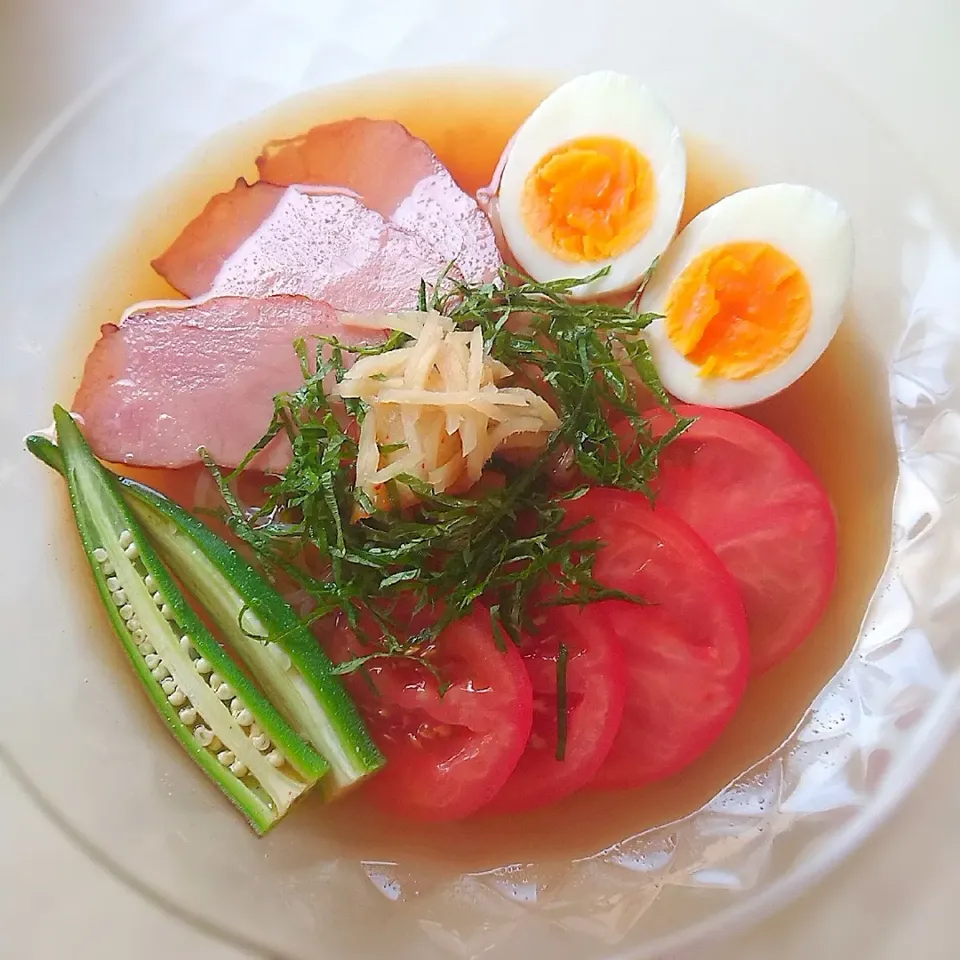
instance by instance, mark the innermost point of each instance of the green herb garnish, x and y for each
(508, 545)
(597, 367)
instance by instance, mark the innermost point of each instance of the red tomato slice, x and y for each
(595, 688)
(686, 648)
(763, 512)
(446, 756)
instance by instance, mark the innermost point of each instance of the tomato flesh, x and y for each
(686, 648)
(594, 681)
(446, 755)
(763, 512)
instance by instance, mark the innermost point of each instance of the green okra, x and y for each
(279, 651)
(223, 722)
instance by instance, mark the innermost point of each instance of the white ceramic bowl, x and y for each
(76, 727)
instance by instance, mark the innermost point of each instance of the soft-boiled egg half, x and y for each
(751, 293)
(594, 178)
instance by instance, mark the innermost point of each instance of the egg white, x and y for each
(596, 104)
(809, 227)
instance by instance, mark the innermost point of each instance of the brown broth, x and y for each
(467, 118)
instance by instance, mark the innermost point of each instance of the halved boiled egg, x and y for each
(751, 294)
(594, 178)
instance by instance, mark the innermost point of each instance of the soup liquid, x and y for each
(836, 417)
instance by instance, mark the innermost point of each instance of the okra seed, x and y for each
(236, 708)
(119, 597)
(215, 679)
(132, 552)
(100, 555)
(178, 698)
(203, 665)
(244, 717)
(275, 759)
(126, 611)
(255, 731)
(133, 625)
(146, 647)
(204, 735)
(126, 538)
(225, 692)
(215, 743)
(226, 757)
(109, 568)
(113, 584)
(158, 598)
(166, 611)
(168, 686)
(186, 644)
(262, 743)
(238, 769)
(161, 672)
(189, 716)
(150, 583)
(152, 660)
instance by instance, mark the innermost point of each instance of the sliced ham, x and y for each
(397, 175)
(171, 378)
(262, 240)
(192, 262)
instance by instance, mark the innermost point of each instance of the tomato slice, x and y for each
(594, 684)
(446, 756)
(763, 512)
(686, 648)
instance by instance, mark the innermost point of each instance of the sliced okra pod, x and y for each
(224, 723)
(279, 651)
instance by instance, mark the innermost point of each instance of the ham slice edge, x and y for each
(178, 375)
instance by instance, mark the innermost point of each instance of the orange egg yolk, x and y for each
(590, 199)
(738, 310)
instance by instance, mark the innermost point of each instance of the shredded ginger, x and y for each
(434, 407)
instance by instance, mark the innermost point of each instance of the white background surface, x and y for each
(896, 898)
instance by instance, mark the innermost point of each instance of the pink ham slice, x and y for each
(195, 258)
(173, 378)
(262, 240)
(397, 175)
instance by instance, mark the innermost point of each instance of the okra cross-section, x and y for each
(278, 649)
(225, 724)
